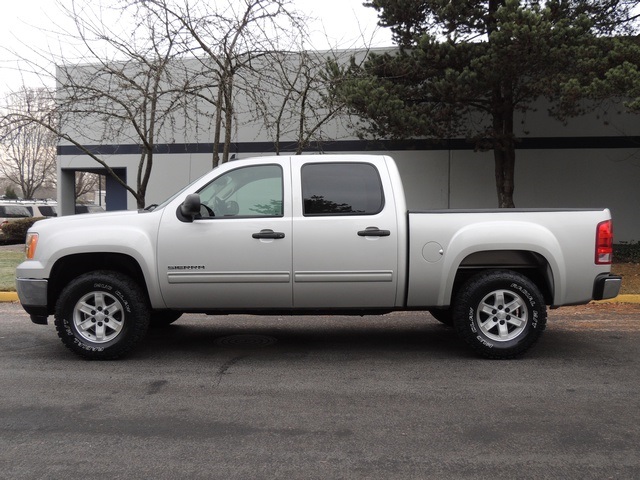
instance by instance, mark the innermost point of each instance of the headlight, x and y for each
(30, 245)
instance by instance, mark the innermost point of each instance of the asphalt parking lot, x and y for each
(386, 397)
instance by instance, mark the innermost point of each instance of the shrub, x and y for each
(10, 193)
(17, 231)
(627, 252)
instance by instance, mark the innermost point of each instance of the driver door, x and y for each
(237, 253)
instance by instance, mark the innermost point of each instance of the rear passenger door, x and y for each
(345, 252)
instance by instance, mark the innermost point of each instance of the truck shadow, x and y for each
(353, 338)
(301, 336)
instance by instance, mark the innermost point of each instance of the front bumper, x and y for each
(606, 286)
(33, 297)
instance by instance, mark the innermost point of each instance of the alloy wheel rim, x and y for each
(502, 315)
(98, 317)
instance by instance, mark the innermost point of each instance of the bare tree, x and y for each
(29, 149)
(177, 65)
(86, 182)
(135, 94)
(131, 91)
(292, 97)
(229, 40)
(134, 85)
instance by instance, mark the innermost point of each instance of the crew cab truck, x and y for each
(311, 234)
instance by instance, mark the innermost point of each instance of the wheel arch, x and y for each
(522, 246)
(530, 264)
(71, 266)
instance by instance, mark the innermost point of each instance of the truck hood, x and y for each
(85, 220)
(128, 232)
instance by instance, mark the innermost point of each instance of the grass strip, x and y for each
(9, 260)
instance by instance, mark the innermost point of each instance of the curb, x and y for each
(13, 297)
(622, 299)
(8, 297)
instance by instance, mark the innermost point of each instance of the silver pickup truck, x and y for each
(311, 234)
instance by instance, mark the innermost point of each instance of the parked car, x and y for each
(42, 208)
(11, 212)
(89, 208)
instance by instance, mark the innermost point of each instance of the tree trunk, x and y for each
(504, 149)
(228, 118)
(504, 156)
(218, 125)
(140, 185)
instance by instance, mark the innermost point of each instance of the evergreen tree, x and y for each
(466, 67)
(10, 193)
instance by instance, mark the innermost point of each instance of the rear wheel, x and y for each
(102, 315)
(500, 313)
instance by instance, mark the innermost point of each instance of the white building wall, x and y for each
(465, 179)
(548, 176)
(459, 179)
(584, 178)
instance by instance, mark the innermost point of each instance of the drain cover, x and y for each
(246, 341)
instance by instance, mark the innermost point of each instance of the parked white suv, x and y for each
(10, 212)
(41, 208)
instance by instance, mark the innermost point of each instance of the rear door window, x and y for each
(341, 189)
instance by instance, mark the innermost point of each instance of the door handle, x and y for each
(373, 232)
(267, 233)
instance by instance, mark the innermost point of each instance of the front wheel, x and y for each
(500, 313)
(102, 315)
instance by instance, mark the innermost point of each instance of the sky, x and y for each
(339, 24)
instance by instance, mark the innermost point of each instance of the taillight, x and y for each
(604, 243)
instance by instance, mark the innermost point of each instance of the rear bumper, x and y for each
(606, 286)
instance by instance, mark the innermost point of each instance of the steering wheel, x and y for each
(209, 211)
(232, 208)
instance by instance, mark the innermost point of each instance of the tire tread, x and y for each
(484, 282)
(136, 330)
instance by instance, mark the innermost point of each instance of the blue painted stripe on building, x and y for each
(538, 143)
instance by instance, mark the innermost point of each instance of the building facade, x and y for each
(592, 161)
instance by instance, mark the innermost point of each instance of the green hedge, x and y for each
(17, 231)
(626, 252)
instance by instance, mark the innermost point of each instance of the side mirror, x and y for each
(190, 208)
